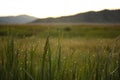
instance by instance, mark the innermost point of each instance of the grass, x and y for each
(69, 31)
(73, 52)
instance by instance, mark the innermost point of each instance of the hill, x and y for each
(104, 16)
(16, 19)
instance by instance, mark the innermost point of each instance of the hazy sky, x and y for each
(54, 8)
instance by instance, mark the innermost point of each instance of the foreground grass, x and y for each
(60, 58)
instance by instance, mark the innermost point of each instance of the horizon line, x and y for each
(56, 16)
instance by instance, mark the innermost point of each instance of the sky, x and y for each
(54, 8)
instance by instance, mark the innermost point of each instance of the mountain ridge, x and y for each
(104, 16)
(20, 19)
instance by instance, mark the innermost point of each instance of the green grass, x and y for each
(69, 31)
(59, 52)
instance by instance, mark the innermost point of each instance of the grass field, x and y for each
(59, 52)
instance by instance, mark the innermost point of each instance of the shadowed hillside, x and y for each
(105, 16)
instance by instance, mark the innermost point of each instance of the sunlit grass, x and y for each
(60, 57)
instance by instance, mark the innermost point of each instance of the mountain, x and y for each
(16, 19)
(104, 16)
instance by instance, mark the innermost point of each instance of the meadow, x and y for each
(59, 52)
